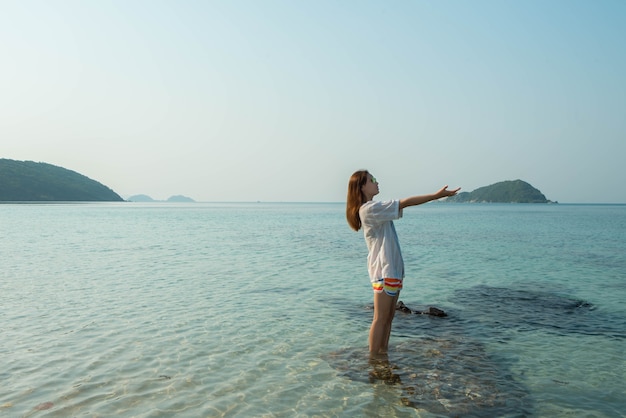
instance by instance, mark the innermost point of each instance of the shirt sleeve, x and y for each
(378, 212)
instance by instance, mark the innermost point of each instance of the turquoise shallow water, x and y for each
(241, 310)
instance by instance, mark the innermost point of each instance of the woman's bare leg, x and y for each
(384, 309)
(391, 313)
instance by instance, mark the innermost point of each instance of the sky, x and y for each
(282, 101)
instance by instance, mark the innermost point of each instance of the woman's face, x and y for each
(370, 188)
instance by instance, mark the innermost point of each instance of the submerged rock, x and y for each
(502, 307)
(441, 365)
(452, 376)
(431, 310)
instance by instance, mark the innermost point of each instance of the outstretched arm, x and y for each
(418, 200)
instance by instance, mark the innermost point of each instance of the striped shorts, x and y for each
(390, 286)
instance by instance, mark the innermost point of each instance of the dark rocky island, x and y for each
(510, 191)
(28, 181)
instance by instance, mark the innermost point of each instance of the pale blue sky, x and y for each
(283, 100)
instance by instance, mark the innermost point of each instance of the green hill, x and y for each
(141, 198)
(173, 199)
(180, 199)
(511, 191)
(28, 181)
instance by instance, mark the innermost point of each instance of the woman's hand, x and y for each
(444, 192)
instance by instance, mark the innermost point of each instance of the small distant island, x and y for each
(510, 191)
(29, 181)
(146, 198)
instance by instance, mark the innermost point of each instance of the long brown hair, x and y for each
(355, 198)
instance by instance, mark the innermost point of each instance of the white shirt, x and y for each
(384, 258)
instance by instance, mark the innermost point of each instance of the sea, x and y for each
(263, 310)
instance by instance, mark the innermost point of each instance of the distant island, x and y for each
(510, 191)
(29, 181)
(146, 198)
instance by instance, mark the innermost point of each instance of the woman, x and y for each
(384, 259)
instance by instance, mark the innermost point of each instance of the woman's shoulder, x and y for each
(381, 202)
(376, 206)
